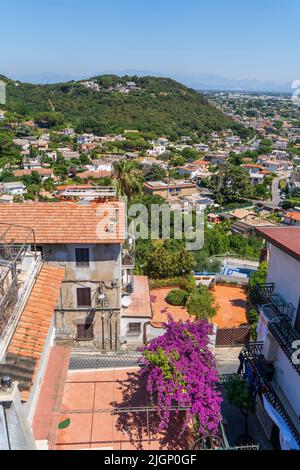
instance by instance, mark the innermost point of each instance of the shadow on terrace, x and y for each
(137, 418)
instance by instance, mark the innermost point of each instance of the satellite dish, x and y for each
(126, 301)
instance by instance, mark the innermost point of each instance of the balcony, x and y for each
(128, 260)
(128, 252)
(263, 373)
(280, 314)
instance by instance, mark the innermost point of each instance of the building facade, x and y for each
(273, 363)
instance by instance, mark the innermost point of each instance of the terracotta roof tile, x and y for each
(32, 330)
(65, 222)
(40, 171)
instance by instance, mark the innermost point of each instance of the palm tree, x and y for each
(127, 179)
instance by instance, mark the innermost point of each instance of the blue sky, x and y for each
(233, 38)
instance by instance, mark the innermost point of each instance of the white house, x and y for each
(85, 139)
(136, 314)
(272, 365)
(16, 188)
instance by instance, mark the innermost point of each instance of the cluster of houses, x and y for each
(77, 294)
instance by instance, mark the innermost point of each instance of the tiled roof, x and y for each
(200, 163)
(94, 174)
(140, 299)
(286, 239)
(81, 186)
(32, 330)
(294, 216)
(40, 171)
(66, 222)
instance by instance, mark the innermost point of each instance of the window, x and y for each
(134, 329)
(85, 332)
(84, 297)
(82, 257)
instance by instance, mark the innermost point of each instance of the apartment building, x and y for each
(272, 365)
(169, 189)
(87, 241)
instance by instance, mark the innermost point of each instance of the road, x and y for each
(275, 192)
(275, 201)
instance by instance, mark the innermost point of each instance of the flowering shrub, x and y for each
(180, 371)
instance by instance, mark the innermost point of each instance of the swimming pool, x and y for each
(235, 271)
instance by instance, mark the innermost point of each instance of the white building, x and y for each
(85, 139)
(16, 188)
(273, 364)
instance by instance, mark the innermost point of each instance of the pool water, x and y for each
(233, 271)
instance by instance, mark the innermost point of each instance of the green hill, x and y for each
(160, 105)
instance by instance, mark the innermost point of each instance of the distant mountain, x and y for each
(45, 78)
(198, 82)
(160, 105)
(214, 82)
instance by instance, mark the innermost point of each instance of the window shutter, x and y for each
(84, 297)
(85, 332)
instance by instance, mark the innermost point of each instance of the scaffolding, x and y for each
(11, 256)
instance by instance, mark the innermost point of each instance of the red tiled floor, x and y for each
(51, 394)
(100, 428)
(70, 447)
(103, 428)
(104, 395)
(79, 397)
(79, 431)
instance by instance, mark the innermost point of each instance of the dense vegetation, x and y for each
(159, 105)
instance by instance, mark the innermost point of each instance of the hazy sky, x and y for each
(233, 38)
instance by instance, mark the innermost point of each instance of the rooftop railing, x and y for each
(280, 314)
(253, 357)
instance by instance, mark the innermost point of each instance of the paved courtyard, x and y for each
(232, 301)
(107, 409)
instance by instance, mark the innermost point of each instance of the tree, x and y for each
(259, 277)
(230, 184)
(180, 370)
(201, 303)
(33, 191)
(235, 158)
(162, 264)
(155, 173)
(238, 393)
(127, 179)
(49, 185)
(49, 119)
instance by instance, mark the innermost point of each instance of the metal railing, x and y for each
(280, 314)
(252, 356)
(104, 361)
(97, 191)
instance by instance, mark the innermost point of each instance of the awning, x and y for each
(287, 440)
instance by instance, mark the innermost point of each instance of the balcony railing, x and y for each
(128, 259)
(253, 357)
(280, 314)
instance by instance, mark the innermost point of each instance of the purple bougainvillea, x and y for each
(180, 370)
